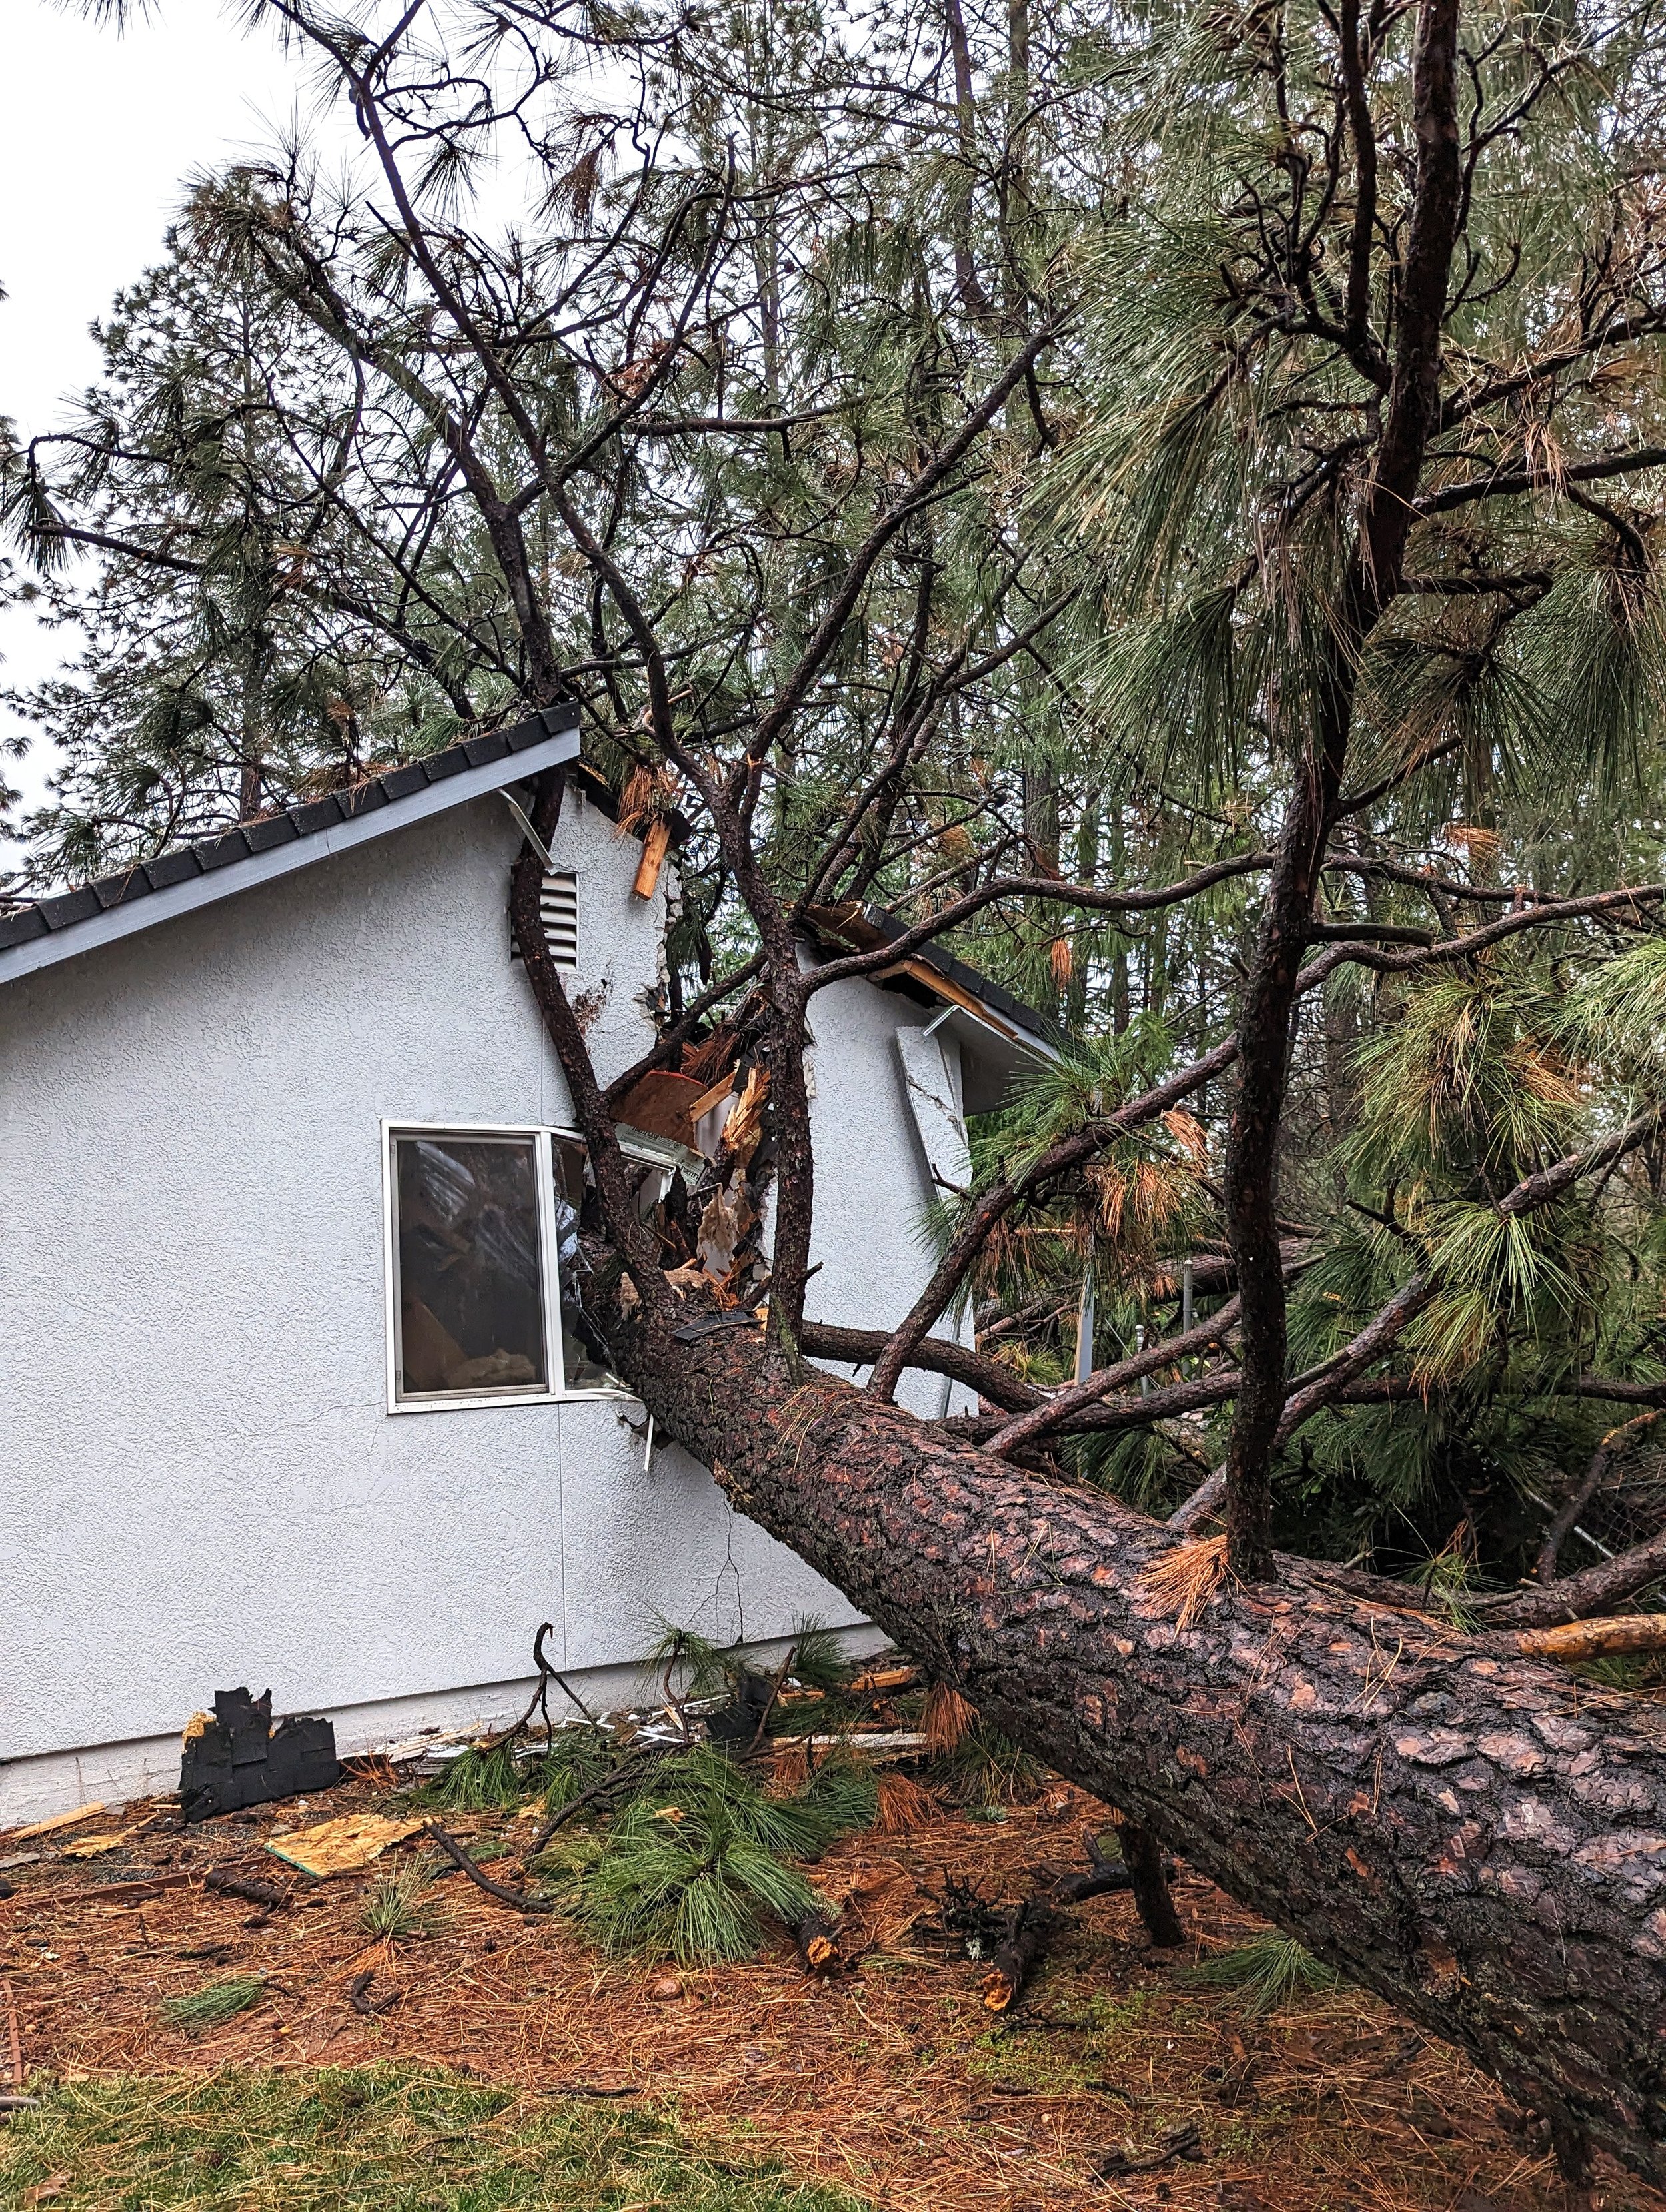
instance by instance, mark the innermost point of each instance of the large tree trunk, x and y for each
(1477, 1837)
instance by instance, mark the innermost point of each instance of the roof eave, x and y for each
(866, 929)
(264, 863)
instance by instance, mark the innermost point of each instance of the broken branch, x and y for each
(1596, 1639)
(522, 1899)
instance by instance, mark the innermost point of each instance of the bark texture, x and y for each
(1474, 1836)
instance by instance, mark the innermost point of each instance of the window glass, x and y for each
(470, 1284)
(584, 1349)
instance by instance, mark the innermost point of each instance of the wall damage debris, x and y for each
(236, 1758)
(342, 1846)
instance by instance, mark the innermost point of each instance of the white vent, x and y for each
(558, 903)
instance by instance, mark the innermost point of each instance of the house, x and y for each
(293, 1393)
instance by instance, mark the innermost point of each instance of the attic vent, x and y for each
(558, 903)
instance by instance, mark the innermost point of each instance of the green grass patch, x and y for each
(370, 2139)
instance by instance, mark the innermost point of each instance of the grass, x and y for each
(369, 2139)
(214, 2003)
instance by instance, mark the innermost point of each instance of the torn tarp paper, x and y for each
(237, 1758)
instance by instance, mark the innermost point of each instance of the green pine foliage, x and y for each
(988, 1769)
(818, 1657)
(694, 1867)
(576, 1759)
(485, 1778)
(397, 1900)
(1265, 1972)
(214, 2003)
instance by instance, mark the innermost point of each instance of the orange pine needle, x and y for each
(1183, 1580)
(904, 1805)
(946, 1719)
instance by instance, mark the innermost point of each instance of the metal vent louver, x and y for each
(558, 903)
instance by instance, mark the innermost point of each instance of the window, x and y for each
(584, 1355)
(486, 1272)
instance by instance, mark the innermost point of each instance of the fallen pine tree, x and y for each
(1474, 1835)
(1310, 559)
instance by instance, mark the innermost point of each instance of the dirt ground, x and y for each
(890, 2079)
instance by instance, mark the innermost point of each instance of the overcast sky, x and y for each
(100, 131)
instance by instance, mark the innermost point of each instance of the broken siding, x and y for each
(205, 1486)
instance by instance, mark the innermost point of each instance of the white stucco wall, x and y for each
(873, 1167)
(200, 1484)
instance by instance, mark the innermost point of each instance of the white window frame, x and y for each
(554, 1392)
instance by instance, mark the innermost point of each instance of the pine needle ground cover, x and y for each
(395, 2138)
(889, 2087)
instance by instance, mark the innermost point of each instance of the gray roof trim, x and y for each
(61, 927)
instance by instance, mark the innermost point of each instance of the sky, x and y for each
(100, 132)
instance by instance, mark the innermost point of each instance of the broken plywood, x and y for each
(342, 1845)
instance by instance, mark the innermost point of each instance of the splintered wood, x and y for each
(1103, 2077)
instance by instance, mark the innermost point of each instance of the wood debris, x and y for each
(58, 1821)
(344, 1844)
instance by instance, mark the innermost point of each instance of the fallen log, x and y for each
(1471, 1833)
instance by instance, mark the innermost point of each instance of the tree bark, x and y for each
(1474, 1836)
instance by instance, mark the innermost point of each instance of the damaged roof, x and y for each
(70, 922)
(999, 1034)
(859, 928)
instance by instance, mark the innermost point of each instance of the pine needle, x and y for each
(1182, 1582)
(484, 1779)
(215, 2001)
(904, 1805)
(695, 1862)
(1266, 1971)
(395, 1904)
(946, 1718)
(988, 1769)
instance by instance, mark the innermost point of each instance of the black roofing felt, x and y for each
(66, 908)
